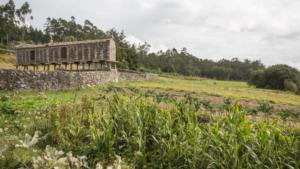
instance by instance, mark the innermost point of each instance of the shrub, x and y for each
(257, 78)
(279, 77)
(290, 86)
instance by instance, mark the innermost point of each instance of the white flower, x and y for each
(118, 162)
(29, 141)
(53, 158)
(99, 166)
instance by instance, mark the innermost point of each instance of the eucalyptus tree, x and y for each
(13, 21)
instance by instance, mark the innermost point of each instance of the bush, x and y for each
(257, 78)
(279, 77)
(290, 86)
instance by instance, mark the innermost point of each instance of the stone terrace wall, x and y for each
(24, 80)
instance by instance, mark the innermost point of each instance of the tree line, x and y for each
(130, 56)
(182, 62)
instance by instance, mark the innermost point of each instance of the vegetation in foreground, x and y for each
(133, 129)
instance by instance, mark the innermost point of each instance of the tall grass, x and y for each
(157, 131)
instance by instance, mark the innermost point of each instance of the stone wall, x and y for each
(24, 80)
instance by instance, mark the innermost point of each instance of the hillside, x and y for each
(7, 61)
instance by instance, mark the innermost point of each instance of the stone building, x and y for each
(90, 54)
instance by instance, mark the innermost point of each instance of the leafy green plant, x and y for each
(265, 107)
(227, 104)
(4, 98)
(286, 113)
(7, 108)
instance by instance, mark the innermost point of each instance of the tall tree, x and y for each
(12, 21)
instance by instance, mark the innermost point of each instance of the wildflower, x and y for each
(118, 162)
(29, 141)
(76, 162)
(99, 166)
(56, 159)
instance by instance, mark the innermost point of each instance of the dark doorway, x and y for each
(32, 55)
(63, 53)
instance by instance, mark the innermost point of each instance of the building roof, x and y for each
(26, 46)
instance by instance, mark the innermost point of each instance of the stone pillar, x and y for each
(47, 55)
(89, 54)
(95, 52)
(76, 52)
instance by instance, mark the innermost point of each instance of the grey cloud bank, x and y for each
(267, 30)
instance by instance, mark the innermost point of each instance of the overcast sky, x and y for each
(268, 30)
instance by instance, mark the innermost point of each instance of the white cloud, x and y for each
(255, 29)
(134, 40)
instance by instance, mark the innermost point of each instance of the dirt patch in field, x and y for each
(219, 100)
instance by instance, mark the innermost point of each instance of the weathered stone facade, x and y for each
(56, 80)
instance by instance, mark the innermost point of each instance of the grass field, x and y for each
(172, 122)
(220, 88)
(7, 61)
(205, 87)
